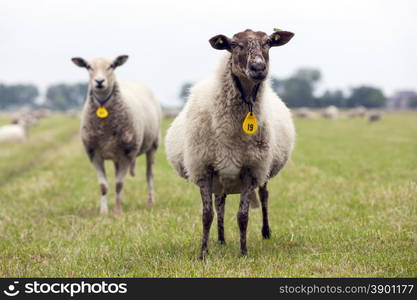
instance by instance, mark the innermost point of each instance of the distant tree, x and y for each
(185, 91)
(18, 95)
(413, 102)
(367, 96)
(308, 74)
(297, 92)
(336, 98)
(66, 96)
(298, 89)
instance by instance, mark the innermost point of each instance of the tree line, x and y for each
(17, 95)
(297, 90)
(58, 96)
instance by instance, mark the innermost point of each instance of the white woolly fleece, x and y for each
(208, 132)
(12, 133)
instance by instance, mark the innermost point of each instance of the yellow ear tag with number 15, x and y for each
(250, 124)
(102, 112)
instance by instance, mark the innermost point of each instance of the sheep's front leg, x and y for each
(263, 195)
(207, 217)
(98, 164)
(121, 168)
(150, 157)
(220, 203)
(248, 185)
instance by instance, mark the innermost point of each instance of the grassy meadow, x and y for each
(345, 206)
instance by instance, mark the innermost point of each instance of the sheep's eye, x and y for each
(89, 68)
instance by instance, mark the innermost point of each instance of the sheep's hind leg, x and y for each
(121, 168)
(220, 203)
(248, 185)
(150, 157)
(207, 217)
(263, 196)
(98, 164)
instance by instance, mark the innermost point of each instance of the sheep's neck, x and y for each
(102, 100)
(248, 90)
(229, 108)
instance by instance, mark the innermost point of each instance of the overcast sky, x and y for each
(352, 42)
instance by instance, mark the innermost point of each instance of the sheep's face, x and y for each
(101, 71)
(250, 51)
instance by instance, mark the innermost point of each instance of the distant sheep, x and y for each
(14, 133)
(304, 113)
(27, 119)
(41, 113)
(73, 113)
(120, 121)
(331, 112)
(17, 130)
(357, 112)
(374, 116)
(207, 145)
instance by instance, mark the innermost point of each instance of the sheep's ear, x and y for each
(79, 62)
(120, 60)
(279, 38)
(220, 42)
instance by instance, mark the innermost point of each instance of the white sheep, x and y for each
(357, 112)
(120, 120)
(207, 144)
(304, 113)
(331, 112)
(14, 133)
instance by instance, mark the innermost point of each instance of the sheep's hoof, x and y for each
(151, 203)
(118, 212)
(104, 211)
(202, 255)
(266, 233)
(222, 242)
(243, 253)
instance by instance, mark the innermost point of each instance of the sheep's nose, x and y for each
(257, 67)
(99, 82)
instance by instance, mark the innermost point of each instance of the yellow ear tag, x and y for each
(250, 125)
(102, 112)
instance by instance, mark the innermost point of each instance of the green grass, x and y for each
(346, 205)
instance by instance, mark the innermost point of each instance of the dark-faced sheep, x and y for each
(214, 142)
(374, 116)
